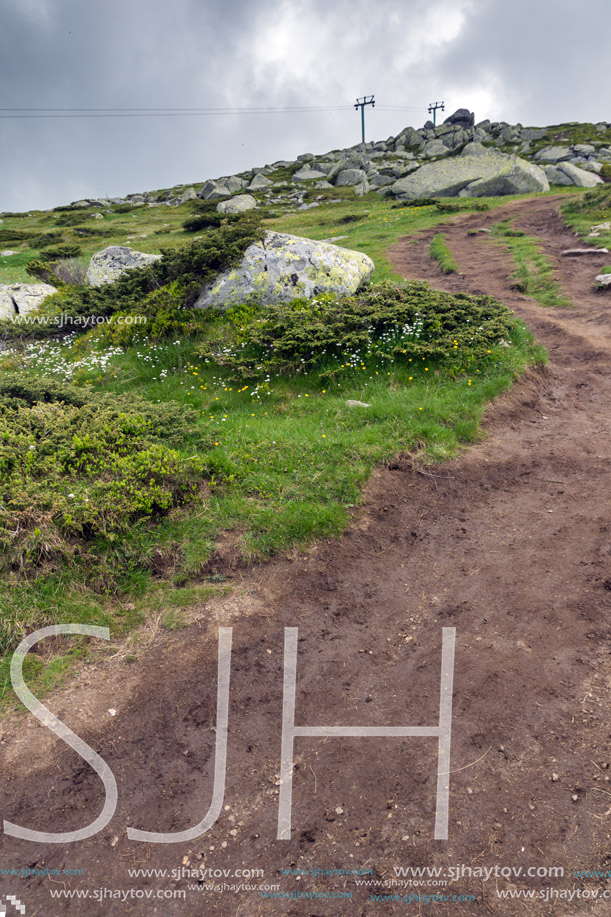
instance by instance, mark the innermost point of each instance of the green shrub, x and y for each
(14, 235)
(386, 322)
(77, 466)
(72, 218)
(46, 238)
(422, 202)
(60, 251)
(605, 172)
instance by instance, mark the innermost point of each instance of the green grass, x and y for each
(588, 210)
(534, 274)
(440, 252)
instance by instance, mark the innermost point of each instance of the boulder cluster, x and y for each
(525, 159)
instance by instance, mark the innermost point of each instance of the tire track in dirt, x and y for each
(509, 543)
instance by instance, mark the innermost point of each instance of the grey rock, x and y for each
(306, 157)
(510, 134)
(238, 204)
(188, 195)
(350, 177)
(553, 154)
(108, 265)
(462, 117)
(22, 298)
(482, 174)
(603, 280)
(579, 177)
(556, 177)
(379, 181)
(433, 148)
(362, 188)
(533, 133)
(283, 267)
(7, 252)
(259, 183)
(213, 190)
(584, 148)
(411, 137)
(323, 184)
(235, 183)
(306, 174)
(473, 149)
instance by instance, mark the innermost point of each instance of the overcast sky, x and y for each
(533, 61)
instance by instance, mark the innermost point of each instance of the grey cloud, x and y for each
(543, 62)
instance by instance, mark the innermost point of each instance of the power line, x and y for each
(159, 112)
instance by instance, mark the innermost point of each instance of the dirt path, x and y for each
(508, 544)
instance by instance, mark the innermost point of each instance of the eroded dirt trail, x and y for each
(509, 544)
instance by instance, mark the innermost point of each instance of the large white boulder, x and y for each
(477, 172)
(108, 265)
(22, 298)
(283, 267)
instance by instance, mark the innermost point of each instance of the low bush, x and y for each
(78, 465)
(389, 322)
(14, 235)
(60, 251)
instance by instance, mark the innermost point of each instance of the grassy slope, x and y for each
(291, 457)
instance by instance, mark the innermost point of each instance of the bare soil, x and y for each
(509, 544)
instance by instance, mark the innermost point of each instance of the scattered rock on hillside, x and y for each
(351, 177)
(309, 174)
(565, 173)
(238, 204)
(22, 298)
(603, 280)
(283, 267)
(108, 265)
(553, 154)
(259, 183)
(477, 174)
(463, 117)
(7, 253)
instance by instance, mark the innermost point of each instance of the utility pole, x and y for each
(361, 103)
(433, 110)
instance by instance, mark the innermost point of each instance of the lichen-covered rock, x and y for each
(477, 174)
(283, 267)
(107, 265)
(604, 280)
(238, 204)
(22, 298)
